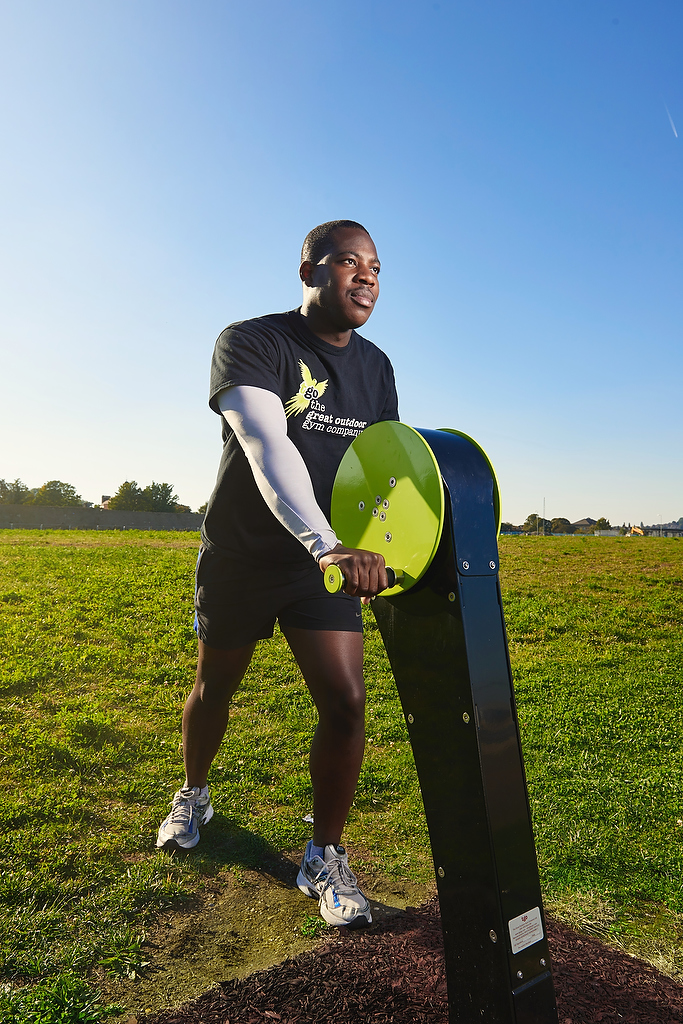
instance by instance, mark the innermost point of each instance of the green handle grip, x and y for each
(335, 580)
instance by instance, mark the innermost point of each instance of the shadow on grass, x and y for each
(225, 845)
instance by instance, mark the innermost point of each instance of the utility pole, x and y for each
(544, 517)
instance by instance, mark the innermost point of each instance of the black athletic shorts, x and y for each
(236, 604)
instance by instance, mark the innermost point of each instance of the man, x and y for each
(293, 390)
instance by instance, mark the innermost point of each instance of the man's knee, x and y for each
(344, 707)
(219, 674)
(212, 693)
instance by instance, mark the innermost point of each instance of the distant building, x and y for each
(584, 525)
(663, 530)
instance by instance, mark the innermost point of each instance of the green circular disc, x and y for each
(388, 497)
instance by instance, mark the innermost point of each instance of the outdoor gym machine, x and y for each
(428, 501)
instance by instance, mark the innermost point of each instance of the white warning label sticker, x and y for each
(525, 930)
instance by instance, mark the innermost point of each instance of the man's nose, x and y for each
(365, 274)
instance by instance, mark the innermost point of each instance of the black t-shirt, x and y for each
(330, 395)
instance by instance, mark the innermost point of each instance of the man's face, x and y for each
(345, 283)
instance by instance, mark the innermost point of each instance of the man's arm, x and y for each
(259, 422)
(260, 425)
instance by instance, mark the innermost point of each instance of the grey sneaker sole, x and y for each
(173, 846)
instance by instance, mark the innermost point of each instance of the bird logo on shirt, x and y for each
(310, 388)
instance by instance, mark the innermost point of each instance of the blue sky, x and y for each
(514, 162)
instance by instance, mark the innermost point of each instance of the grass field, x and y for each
(98, 651)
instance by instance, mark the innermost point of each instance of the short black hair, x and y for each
(316, 241)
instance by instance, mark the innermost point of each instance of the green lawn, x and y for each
(98, 654)
(596, 639)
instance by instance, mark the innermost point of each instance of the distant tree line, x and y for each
(54, 493)
(537, 524)
(129, 497)
(152, 498)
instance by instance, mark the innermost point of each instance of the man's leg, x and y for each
(205, 719)
(332, 665)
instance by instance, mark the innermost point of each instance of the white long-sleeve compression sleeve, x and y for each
(258, 419)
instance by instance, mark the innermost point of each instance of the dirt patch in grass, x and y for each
(243, 923)
(394, 974)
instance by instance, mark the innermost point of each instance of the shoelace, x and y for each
(181, 809)
(338, 876)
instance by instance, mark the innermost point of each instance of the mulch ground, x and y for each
(394, 974)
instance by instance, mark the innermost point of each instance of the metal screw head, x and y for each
(543, 961)
(361, 505)
(382, 516)
(440, 872)
(411, 719)
(385, 503)
(392, 481)
(378, 499)
(375, 512)
(465, 565)
(451, 596)
(520, 975)
(465, 717)
(387, 537)
(492, 935)
(492, 564)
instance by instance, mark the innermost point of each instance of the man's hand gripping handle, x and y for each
(336, 581)
(361, 573)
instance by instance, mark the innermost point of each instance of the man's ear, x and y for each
(305, 271)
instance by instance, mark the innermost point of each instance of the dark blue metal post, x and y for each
(447, 646)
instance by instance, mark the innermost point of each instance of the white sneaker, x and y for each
(189, 810)
(335, 886)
